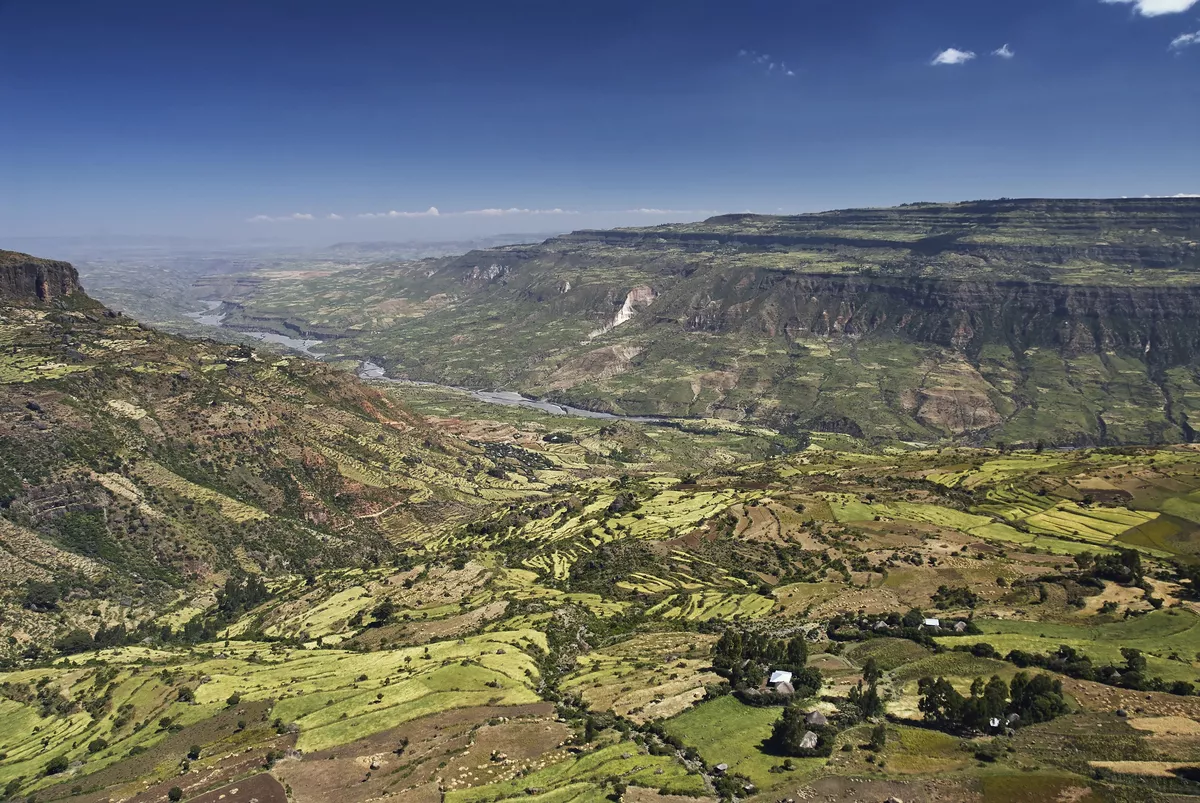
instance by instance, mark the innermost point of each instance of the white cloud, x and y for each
(766, 60)
(430, 212)
(334, 216)
(667, 212)
(433, 211)
(1005, 52)
(1185, 40)
(515, 211)
(952, 56)
(1156, 8)
(281, 219)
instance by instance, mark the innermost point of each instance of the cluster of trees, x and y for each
(910, 625)
(794, 735)
(1072, 663)
(947, 598)
(1123, 566)
(866, 697)
(1032, 700)
(41, 596)
(81, 641)
(746, 658)
(239, 596)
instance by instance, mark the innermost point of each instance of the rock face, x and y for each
(28, 279)
(1065, 321)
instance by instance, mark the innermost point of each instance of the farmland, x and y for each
(224, 568)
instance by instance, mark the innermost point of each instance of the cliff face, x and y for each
(1158, 324)
(1069, 321)
(27, 279)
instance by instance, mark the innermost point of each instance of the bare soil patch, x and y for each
(345, 775)
(263, 788)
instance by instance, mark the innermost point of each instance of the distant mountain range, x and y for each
(1063, 321)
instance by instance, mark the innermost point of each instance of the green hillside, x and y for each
(232, 575)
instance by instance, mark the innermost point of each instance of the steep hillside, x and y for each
(141, 467)
(1063, 321)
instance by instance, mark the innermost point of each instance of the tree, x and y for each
(75, 642)
(41, 596)
(1037, 699)
(193, 752)
(941, 704)
(383, 612)
(176, 794)
(57, 765)
(233, 699)
(185, 694)
(878, 737)
(96, 745)
(797, 651)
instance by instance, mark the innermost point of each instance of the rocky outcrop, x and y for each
(28, 279)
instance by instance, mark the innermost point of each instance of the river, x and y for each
(210, 317)
(507, 398)
(370, 371)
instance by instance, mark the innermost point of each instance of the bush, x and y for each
(57, 765)
(176, 794)
(96, 745)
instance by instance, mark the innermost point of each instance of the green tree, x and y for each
(878, 737)
(383, 612)
(176, 794)
(797, 651)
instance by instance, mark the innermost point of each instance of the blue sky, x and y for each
(256, 118)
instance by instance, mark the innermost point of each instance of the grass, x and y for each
(709, 605)
(1158, 634)
(581, 778)
(725, 731)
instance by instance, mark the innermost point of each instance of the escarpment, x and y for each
(1066, 321)
(29, 279)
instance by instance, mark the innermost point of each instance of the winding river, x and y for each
(211, 317)
(370, 371)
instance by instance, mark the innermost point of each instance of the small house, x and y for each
(994, 722)
(779, 677)
(932, 623)
(960, 627)
(809, 742)
(784, 688)
(816, 719)
(721, 769)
